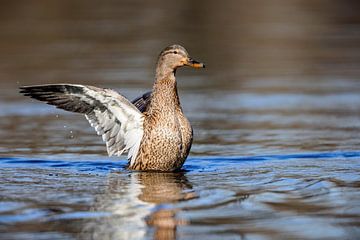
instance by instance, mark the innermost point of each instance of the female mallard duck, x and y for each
(152, 129)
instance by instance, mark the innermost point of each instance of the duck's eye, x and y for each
(175, 52)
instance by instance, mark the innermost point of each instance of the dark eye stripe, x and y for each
(173, 52)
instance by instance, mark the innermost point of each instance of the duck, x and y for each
(152, 129)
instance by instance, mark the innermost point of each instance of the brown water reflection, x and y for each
(151, 204)
(147, 190)
(162, 189)
(275, 115)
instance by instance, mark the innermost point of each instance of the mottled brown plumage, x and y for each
(152, 129)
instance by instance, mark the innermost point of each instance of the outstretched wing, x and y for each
(118, 121)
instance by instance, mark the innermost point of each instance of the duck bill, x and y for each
(194, 64)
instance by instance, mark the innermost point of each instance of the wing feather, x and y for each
(142, 102)
(117, 120)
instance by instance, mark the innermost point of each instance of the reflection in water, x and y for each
(275, 196)
(137, 200)
(162, 188)
(281, 88)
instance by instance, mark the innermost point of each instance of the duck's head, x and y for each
(176, 56)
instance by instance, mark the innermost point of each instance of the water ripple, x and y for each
(201, 164)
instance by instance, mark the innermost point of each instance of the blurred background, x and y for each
(280, 74)
(276, 120)
(117, 42)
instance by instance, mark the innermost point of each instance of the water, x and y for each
(275, 116)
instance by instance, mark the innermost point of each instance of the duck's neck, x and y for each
(165, 96)
(164, 70)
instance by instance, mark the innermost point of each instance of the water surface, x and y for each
(276, 120)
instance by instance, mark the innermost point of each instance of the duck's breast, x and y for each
(162, 145)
